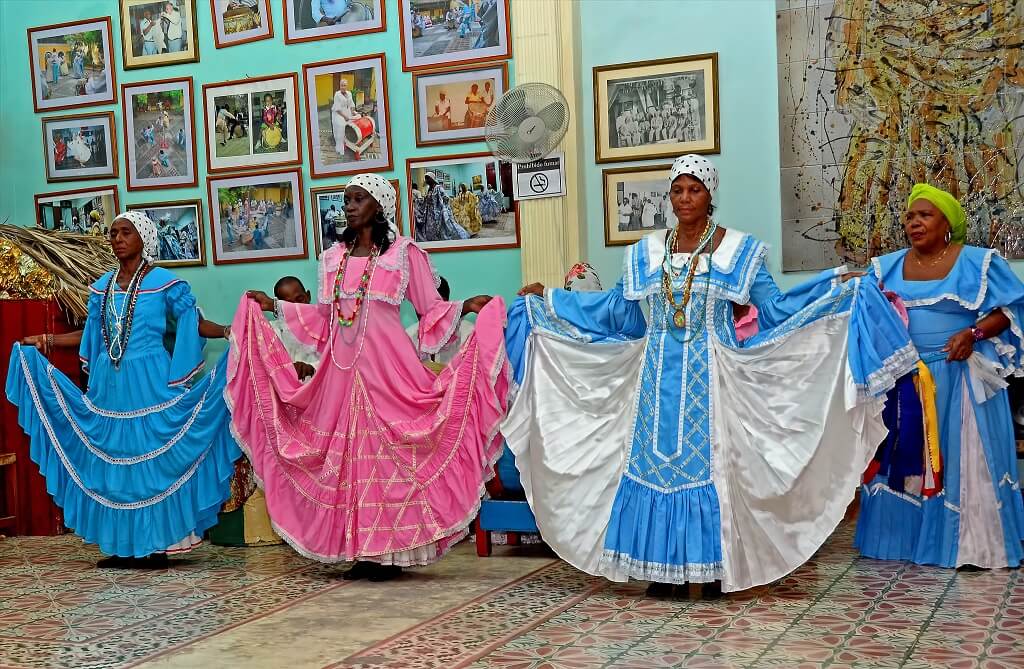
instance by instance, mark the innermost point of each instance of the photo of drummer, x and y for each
(348, 116)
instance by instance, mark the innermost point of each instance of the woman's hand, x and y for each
(266, 302)
(960, 346)
(304, 370)
(40, 342)
(474, 304)
(532, 289)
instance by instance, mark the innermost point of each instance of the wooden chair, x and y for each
(8, 493)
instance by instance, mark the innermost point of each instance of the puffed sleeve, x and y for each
(584, 316)
(91, 346)
(439, 320)
(1004, 291)
(187, 359)
(775, 306)
(309, 323)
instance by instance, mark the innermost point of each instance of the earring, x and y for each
(949, 235)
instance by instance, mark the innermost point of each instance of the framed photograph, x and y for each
(347, 116)
(636, 203)
(306, 20)
(656, 108)
(240, 22)
(329, 222)
(159, 135)
(257, 216)
(86, 210)
(158, 32)
(437, 34)
(462, 203)
(79, 147)
(72, 65)
(452, 107)
(179, 226)
(252, 123)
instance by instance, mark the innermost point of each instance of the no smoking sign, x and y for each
(541, 178)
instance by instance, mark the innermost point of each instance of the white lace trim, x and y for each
(1007, 350)
(884, 378)
(679, 488)
(621, 567)
(969, 305)
(446, 337)
(156, 499)
(876, 488)
(106, 413)
(724, 257)
(400, 264)
(1009, 480)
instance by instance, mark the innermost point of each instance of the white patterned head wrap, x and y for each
(581, 277)
(699, 168)
(383, 192)
(147, 230)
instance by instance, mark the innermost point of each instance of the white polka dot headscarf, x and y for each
(147, 230)
(384, 193)
(699, 168)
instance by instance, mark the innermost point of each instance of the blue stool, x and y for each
(498, 515)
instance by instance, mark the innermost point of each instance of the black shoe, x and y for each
(970, 567)
(154, 561)
(385, 573)
(359, 571)
(659, 590)
(711, 590)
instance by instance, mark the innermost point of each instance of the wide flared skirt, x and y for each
(133, 481)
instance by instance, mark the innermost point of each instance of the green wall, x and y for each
(218, 287)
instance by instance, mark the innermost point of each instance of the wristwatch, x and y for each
(978, 333)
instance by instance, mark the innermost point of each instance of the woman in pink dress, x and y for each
(374, 459)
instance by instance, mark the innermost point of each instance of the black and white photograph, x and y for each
(159, 135)
(86, 210)
(240, 21)
(636, 203)
(329, 221)
(257, 216)
(80, 147)
(438, 34)
(179, 227)
(158, 32)
(306, 20)
(72, 65)
(252, 123)
(347, 116)
(462, 202)
(656, 109)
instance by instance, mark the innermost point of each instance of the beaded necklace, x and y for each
(669, 275)
(117, 345)
(364, 283)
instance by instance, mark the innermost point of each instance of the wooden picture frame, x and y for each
(230, 241)
(501, 232)
(138, 52)
(362, 17)
(320, 237)
(97, 60)
(59, 156)
(681, 116)
(456, 85)
(242, 19)
(499, 28)
(284, 89)
(109, 209)
(648, 182)
(371, 149)
(150, 146)
(192, 259)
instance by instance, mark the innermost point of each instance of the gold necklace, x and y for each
(933, 263)
(679, 310)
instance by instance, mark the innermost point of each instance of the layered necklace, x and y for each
(669, 276)
(364, 284)
(117, 325)
(931, 263)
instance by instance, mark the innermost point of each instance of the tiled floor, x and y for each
(517, 610)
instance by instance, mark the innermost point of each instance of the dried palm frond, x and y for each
(75, 260)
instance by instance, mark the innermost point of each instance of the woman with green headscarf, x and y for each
(965, 307)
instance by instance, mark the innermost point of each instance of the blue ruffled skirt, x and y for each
(135, 465)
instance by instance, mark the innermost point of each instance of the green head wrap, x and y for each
(948, 205)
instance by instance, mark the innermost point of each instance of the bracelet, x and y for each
(49, 342)
(978, 333)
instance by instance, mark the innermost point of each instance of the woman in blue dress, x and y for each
(434, 218)
(142, 461)
(965, 307)
(489, 207)
(657, 447)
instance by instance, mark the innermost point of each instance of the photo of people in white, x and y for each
(656, 110)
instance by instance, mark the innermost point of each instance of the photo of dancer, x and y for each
(251, 122)
(86, 211)
(179, 231)
(159, 135)
(346, 110)
(71, 64)
(444, 33)
(158, 32)
(257, 217)
(80, 147)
